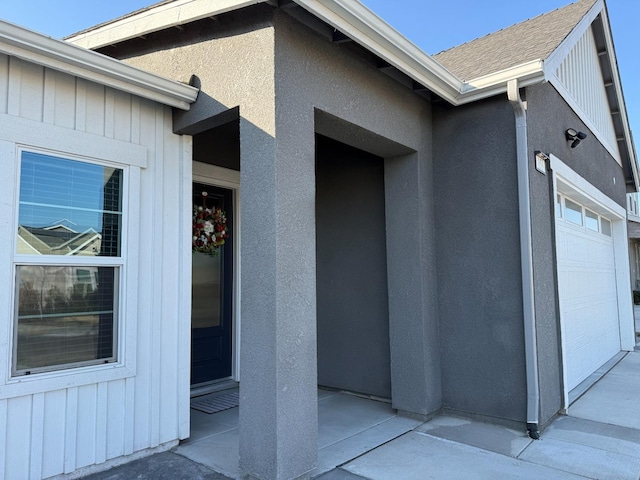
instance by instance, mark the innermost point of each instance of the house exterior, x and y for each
(447, 233)
(86, 143)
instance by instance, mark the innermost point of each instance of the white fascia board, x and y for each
(153, 19)
(364, 27)
(622, 106)
(58, 55)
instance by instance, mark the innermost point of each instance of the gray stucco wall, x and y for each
(369, 110)
(478, 251)
(548, 117)
(283, 77)
(353, 312)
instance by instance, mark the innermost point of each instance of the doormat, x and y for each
(216, 404)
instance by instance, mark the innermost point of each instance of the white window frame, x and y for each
(118, 262)
(93, 149)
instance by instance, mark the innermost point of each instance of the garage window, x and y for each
(68, 264)
(573, 212)
(591, 220)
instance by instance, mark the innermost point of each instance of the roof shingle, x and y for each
(533, 39)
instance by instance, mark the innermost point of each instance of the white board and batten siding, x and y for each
(56, 423)
(578, 78)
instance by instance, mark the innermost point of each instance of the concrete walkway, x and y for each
(599, 439)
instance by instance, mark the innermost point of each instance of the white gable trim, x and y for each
(155, 18)
(618, 89)
(554, 60)
(55, 54)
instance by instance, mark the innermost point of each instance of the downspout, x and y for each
(526, 260)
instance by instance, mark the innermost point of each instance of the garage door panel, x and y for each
(588, 300)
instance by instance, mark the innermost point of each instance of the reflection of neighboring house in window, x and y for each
(61, 240)
(58, 240)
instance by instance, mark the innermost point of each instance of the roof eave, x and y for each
(364, 27)
(154, 18)
(559, 54)
(55, 54)
(486, 86)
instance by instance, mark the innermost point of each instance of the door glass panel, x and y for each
(606, 227)
(205, 298)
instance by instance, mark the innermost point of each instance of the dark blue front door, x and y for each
(212, 297)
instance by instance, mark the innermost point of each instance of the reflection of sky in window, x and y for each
(58, 191)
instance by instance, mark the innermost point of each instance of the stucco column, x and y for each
(413, 322)
(278, 382)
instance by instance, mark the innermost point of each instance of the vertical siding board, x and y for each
(157, 314)
(4, 82)
(37, 436)
(146, 265)
(65, 100)
(101, 422)
(95, 108)
(32, 91)
(4, 473)
(184, 313)
(86, 431)
(135, 120)
(71, 426)
(109, 112)
(170, 286)
(129, 396)
(122, 116)
(583, 78)
(18, 433)
(81, 105)
(115, 425)
(49, 96)
(54, 433)
(15, 84)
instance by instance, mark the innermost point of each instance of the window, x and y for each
(591, 220)
(573, 212)
(68, 264)
(582, 216)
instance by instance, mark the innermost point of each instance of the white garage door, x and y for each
(587, 289)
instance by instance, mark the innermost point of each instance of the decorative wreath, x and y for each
(209, 228)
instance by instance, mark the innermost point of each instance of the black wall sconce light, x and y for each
(574, 137)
